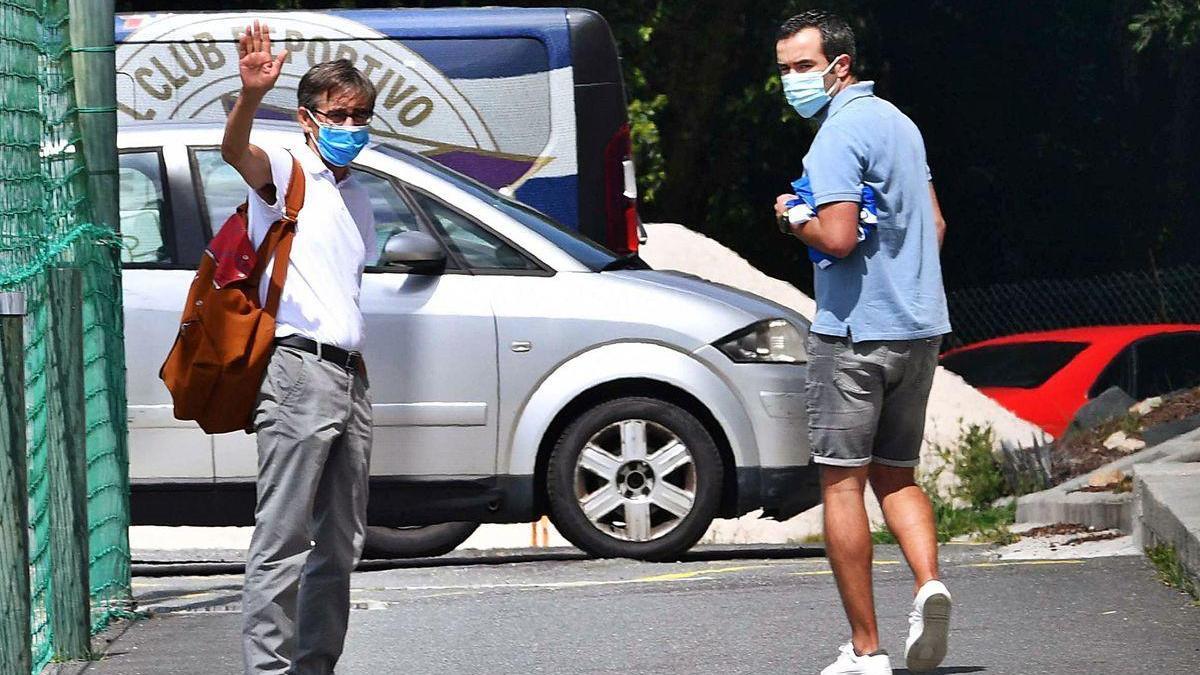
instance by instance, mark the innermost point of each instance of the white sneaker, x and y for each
(849, 663)
(928, 628)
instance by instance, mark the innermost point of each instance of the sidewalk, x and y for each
(1163, 508)
(1167, 509)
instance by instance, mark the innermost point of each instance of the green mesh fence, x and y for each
(45, 222)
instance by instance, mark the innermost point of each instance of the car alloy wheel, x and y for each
(634, 477)
(635, 480)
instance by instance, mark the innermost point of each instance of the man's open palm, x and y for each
(259, 70)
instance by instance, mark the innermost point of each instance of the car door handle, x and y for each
(522, 346)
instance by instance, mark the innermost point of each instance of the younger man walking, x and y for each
(873, 345)
(313, 420)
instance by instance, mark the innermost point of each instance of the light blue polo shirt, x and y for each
(890, 286)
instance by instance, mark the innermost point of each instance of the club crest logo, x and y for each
(185, 67)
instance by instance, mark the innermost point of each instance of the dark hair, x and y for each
(836, 36)
(332, 77)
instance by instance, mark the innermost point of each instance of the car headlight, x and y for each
(770, 341)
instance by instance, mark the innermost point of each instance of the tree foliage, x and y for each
(1177, 21)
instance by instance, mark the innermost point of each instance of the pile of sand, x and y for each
(953, 403)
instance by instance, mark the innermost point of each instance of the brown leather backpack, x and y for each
(216, 367)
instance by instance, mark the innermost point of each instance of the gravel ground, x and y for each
(1078, 453)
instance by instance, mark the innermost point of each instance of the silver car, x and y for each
(516, 369)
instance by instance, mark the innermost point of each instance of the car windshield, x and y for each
(592, 255)
(1026, 365)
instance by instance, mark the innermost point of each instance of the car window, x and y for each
(224, 190)
(1118, 373)
(143, 209)
(590, 254)
(479, 248)
(392, 213)
(221, 187)
(1165, 363)
(1025, 365)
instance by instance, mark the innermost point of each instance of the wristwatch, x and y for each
(785, 226)
(796, 216)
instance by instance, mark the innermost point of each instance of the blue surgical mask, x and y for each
(806, 91)
(340, 145)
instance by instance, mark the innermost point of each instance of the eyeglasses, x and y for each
(361, 116)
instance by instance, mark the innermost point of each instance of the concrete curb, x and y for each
(1166, 501)
(1103, 510)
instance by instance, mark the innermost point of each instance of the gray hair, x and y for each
(332, 77)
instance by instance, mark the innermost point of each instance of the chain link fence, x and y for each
(46, 222)
(1152, 296)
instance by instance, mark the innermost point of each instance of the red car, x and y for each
(1046, 377)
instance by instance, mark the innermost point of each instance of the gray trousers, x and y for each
(313, 426)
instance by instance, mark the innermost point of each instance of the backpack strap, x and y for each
(278, 242)
(295, 192)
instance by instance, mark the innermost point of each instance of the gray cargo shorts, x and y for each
(866, 401)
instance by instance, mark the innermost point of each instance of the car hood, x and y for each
(753, 307)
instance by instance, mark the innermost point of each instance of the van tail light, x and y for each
(621, 202)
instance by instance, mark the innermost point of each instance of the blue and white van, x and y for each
(528, 101)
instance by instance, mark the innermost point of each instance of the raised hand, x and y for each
(259, 70)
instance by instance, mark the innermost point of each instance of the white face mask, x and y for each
(806, 92)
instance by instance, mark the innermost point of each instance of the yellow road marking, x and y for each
(513, 586)
(201, 594)
(691, 575)
(447, 595)
(1008, 563)
(677, 576)
(705, 574)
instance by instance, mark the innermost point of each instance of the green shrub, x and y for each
(981, 483)
(1171, 570)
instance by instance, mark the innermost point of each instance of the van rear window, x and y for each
(1024, 366)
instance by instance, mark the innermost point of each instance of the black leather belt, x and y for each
(349, 360)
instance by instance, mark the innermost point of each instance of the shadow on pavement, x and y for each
(176, 593)
(494, 557)
(714, 553)
(497, 557)
(948, 670)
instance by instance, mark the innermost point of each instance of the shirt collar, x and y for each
(313, 164)
(854, 91)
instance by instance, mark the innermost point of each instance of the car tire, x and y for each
(608, 493)
(416, 542)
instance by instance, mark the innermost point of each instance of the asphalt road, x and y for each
(715, 615)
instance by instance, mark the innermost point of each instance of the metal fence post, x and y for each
(15, 657)
(70, 611)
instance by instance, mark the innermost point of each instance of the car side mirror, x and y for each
(417, 251)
